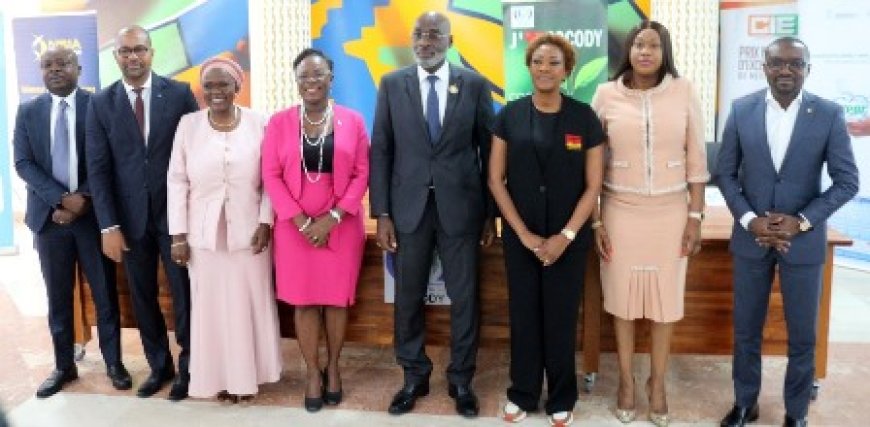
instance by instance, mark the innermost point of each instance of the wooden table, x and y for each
(706, 328)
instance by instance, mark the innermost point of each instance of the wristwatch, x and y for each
(804, 224)
(699, 215)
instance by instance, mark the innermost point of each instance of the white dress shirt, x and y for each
(71, 131)
(443, 73)
(779, 124)
(146, 99)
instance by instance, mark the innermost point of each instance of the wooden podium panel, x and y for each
(706, 328)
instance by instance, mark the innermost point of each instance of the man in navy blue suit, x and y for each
(130, 130)
(49, 145)
(769, 169)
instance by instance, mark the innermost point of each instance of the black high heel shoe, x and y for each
(314, 404)
(330, 397)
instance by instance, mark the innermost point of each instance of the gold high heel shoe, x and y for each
(625, 416)
(660, 420)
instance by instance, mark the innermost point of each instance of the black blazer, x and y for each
(31, 143)
(126, 176)
(546, 191)
(404, 164)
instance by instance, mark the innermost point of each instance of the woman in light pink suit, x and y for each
(219, 219)
(315, 169)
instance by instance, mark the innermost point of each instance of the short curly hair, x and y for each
(312, 52)
(554, 40)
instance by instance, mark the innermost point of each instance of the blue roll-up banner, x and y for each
(7, 242)
(34, 35)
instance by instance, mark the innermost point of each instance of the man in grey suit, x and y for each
(430, 146)
(769, 169)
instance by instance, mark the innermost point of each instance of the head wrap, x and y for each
(231, 67)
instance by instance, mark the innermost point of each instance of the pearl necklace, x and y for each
(224, 126)
(322, 120)
(313, 142)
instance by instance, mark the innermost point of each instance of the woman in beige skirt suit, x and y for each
(652, 204)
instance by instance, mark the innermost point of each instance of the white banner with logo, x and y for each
(746, 28)
(835, 32)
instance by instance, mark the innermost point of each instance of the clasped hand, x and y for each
(546, 250)
(317, 232)
(775, 230)
(72, 206)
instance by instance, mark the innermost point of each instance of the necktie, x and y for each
(139, 110)
(60, 149)
(433, 119)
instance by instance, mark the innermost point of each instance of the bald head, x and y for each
(436, 19)
(787, 42)
(133, 31)
(60, 70)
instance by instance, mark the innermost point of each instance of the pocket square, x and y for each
(573, 142)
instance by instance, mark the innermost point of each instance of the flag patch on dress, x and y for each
(573, 142)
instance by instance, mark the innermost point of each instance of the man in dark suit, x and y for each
(130, 129)
(428, 190)
(49, 144)
(769, 169)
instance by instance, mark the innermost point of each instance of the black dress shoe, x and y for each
(740, 416)
(330, 397)
(120, 377)
(466, 401)
(154, 383)
(795, 422)
(404, 400)
(55, 381)
(179, 389)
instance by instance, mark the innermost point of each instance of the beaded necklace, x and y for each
(313, 142)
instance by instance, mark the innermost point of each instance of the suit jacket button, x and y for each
(542, 189)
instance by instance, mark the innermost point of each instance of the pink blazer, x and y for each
(211, 172)
(282, 168)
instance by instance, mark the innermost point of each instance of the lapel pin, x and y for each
(453, 89)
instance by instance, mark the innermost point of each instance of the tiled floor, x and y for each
(699, 386)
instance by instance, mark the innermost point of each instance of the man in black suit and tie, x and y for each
(49, 145)
(430, 146)
(130, 129)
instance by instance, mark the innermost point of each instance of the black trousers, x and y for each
(543, 307)
(59, 248)
(140, 263)
(459, 258)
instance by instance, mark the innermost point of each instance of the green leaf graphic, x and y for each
(589, 72)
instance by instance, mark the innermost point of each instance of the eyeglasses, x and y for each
(779, 65)
(139, 50)
(317, 77)
(428, 35)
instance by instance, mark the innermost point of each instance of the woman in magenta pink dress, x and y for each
(315, 170)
